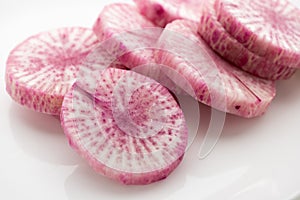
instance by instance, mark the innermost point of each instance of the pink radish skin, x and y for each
(41, 70)
(230, 49)
(105, 135)
(245, 95)
(269, 28)
(162, 12)
(118, 18)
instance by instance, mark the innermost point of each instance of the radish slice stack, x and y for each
(128, 126)
(245, 95)
(131, 130)
(42, 69)
(268, 28)
(232, 50)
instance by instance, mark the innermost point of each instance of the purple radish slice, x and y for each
(41, 70)
(230, 49)
(162, 12)
(245, 95)
(118, 18)
(130, 130)
(269, 28)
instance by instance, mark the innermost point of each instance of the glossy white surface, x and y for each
(254, 159)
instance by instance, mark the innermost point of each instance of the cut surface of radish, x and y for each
(243, 94)
(118, 18)
(41, 70)
(230, 49)
(269, 28)
(130, 130)
(162, 12)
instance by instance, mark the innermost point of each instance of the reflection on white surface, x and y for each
(85, 184)
(202, 187)
(254, 159)
(40, 136)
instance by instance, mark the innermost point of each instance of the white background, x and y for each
(254, 159)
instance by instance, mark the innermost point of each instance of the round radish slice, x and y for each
(243, 94)
(41, 70)
(230, 49)
(269, 28)
(162, 12)
(110, 24)
(130, 130)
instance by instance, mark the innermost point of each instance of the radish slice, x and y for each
(119, 18)
(130, 130)
(230, 49)
(269, 28)
(162, 12)
(243, 94)
(41, 70)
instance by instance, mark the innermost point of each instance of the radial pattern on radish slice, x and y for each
(130, 130)
(243, 94)
(230, 49)
(162, 12)
(42, 69)
(108, 52)
(118, 18)
(269, 28)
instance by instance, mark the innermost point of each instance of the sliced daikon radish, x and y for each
(269, 28)
(42, 69)
(230, 49)
(209, 75)
(130, 130)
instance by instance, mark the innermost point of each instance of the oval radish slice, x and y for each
(162, 12)
(130, 130)
(118, 18)
(41, 70)
(230, 49)
(269, 28)
(244, 95)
